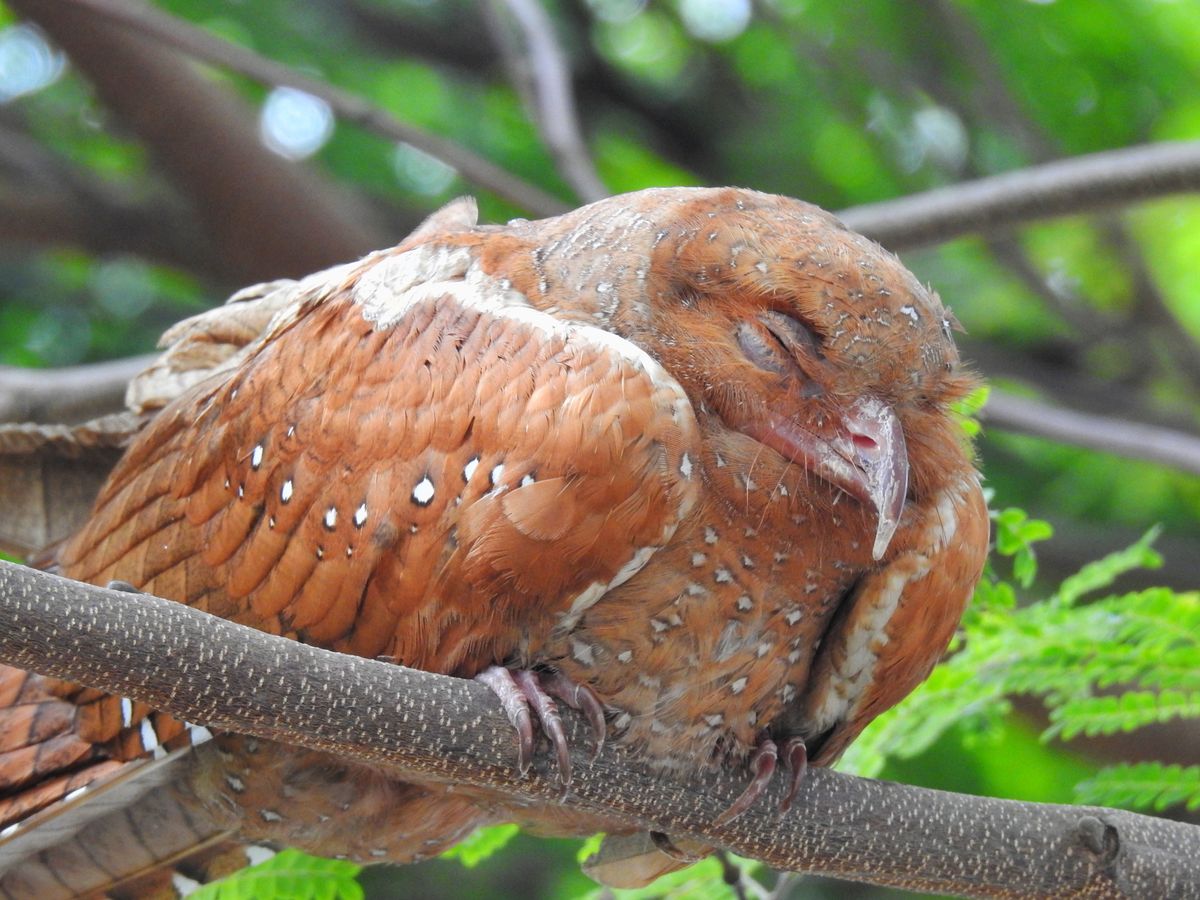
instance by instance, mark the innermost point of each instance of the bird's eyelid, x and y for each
(792, 331)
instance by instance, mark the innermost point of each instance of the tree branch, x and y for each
(428, 727)
(69, 394)
(1081, 184)
(1105, 433)
(540, 69)
(199, 44)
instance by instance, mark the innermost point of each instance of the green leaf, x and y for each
(1123, 712)
(481, 845)
(289, 875)
(589, 848)
(1104, 571)
(1146, 785)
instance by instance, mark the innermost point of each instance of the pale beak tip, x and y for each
(883, 536)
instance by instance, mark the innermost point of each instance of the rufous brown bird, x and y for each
(683, 458)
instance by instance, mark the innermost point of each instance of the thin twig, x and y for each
(1150, 305)
(552, 101)
(199, 44)
(1103, 433)
(732, 875)
(1080, 184)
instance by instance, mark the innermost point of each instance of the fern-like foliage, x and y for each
(290, 875)
(1143, 785)
(481, 844)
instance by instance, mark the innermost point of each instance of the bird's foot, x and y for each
(522, 690)
(763, 763)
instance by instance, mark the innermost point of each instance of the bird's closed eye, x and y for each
(777, 342)
(795, 337)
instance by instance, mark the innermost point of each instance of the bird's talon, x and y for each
(124, 586)
(581, 698)
(795, 759)
(763, 763)
(501, 683)
(547, 713)
(525, 694)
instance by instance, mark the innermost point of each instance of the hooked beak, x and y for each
(862, 453)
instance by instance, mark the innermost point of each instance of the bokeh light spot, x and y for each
(295, 124)
(715, 20)
(421, 173)
(27, 62)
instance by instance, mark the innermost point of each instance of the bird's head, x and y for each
(818, 344)
(782, 325)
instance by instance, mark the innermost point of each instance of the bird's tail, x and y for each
(79, 824)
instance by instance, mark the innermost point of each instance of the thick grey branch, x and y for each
(201, 45)
(1080, 184)
(429, 727)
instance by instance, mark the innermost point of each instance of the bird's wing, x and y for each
(411, 462)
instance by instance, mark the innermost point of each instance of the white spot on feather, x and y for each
(582, 652)
(285, 492)
(256, 853)
(184, 886)
(126, 712)
(423, 493)
(360, 515)
(685, 466)
(149, 737)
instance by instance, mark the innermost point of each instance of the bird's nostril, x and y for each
(864, 443)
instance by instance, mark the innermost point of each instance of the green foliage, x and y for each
(481, 845)
(1143, 786)
(1117, 663)
(969, 407)
(289, 875)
